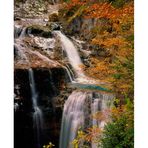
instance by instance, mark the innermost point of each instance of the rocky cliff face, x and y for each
(35, 48)
(50, 86)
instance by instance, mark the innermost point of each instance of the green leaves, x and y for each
(119, 133)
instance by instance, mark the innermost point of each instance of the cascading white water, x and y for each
(76, 113)
(73, 118)
(102, 103)
(69, 74)
(70, 70)
(23, 33)
(94, 109)
(37, 115)
(74, 59)
(72, 53)
(19, 46)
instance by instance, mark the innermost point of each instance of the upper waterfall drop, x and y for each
(74, 59)
(72, 53)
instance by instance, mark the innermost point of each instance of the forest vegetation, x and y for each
(116, 38)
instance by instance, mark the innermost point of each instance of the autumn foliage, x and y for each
(115, 66)
(118, 130)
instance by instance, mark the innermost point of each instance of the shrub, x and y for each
(120, 132)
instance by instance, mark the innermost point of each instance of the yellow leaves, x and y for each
(50, 145)
(75, 143)
(91, 134)
(80, 136)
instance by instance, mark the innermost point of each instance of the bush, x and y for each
(120, 132)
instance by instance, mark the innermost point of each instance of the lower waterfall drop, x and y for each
(73, 118)
(77, 112)
(72, 53)
(37, 115)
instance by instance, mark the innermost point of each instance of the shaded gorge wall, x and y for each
(50, 86)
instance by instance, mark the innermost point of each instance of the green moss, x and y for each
(119, 3)
(130, 37)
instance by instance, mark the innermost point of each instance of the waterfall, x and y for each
(73, 118)
(37, 115)
(77, 110)
(72, 53)
(102, 103)
(23, 33)
(74, 59)
(69, 74)
(19, 47)
(95, 108)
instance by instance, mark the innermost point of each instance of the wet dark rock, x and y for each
(38, 30)
(54, 26)
(50, 85)
(53, 17)
(16, 18)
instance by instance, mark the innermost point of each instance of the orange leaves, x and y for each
(101, 115)
(100, 69)
(115, 41)
(128, 9)
(93, 133)
(100, 10)
(74, 3)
